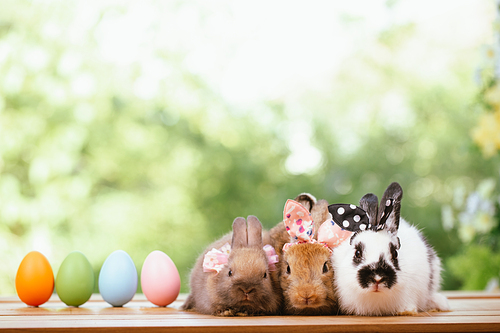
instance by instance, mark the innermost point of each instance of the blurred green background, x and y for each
(151, 125)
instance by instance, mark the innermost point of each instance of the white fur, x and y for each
(413, 291)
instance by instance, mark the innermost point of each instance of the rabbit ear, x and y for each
(349, 217)
(240, 238)
(307, 200)
(254, 232)
(390, 207)
(369, 203)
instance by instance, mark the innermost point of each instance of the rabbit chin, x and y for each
(309, 310)
(248, 307)
(309, 302)
(372, 301)
(311, 305)
(247, 301)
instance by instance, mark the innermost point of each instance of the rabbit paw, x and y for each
(410, 310)
(231, 313)
(439, 302)
(225, 313)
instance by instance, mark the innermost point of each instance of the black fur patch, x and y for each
(352, 237)
(366, 275)
(431, 256)
(358, 256)
(394, 252)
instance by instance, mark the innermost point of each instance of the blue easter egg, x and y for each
(118, 279)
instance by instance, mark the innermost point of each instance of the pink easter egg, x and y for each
(160, 279)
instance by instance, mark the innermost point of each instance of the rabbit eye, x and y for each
(265, 275)
(358, 254)
(288, 269)
(325, 268)
(394, 253)
(229, 273)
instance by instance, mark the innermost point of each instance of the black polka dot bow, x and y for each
(349, 217)
(353, 218)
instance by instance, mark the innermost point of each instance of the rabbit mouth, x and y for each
(246, 299)
(246, 302)
(244, 292)
(308, 302)
(310, 305)
(248, 296)
(377, 286)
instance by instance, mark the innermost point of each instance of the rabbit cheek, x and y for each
(377, 276)
(223, 289)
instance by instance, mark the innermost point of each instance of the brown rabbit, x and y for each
(242, 286)
(305, 269)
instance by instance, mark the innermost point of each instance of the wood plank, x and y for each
(474, 311)
(267, 324)
(17, 308)
(470, 294)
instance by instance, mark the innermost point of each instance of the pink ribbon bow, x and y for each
(272, 257)
(216, 259)
(331, 234)
(300, 227)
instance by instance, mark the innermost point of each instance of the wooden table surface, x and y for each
(471, 311)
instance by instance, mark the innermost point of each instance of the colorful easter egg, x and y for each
(75, 279)
(160, 279)
(118, 279)
(34, 279)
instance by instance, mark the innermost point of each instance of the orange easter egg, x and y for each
(34, 279)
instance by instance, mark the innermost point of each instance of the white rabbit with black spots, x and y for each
(387, 268)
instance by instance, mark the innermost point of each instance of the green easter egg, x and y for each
(75, 279)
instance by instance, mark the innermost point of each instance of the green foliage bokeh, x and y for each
(88, 164)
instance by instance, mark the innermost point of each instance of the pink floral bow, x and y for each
(300, 227)
(216, 259)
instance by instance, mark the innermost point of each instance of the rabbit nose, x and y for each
(378, 280)
(308, 297)
(247, 292)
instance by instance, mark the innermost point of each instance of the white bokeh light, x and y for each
(252, 52)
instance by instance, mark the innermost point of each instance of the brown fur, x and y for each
(307, 289)
(246, 291)
(306, 278)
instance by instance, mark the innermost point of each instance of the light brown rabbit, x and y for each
(237, 283)
(305, 268)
